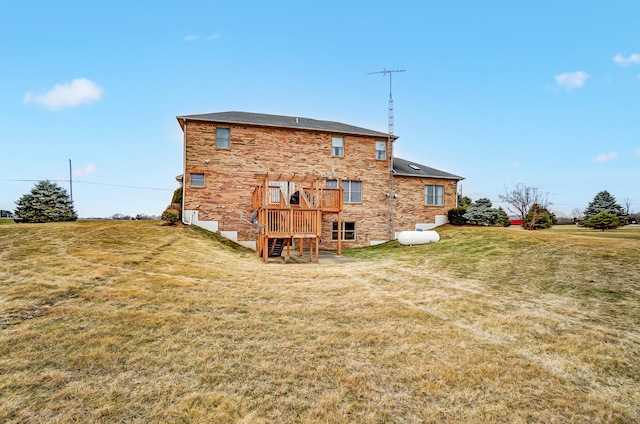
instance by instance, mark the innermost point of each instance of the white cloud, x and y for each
(75, 93)
(637, 153)
(198, 37)
(571, 80)
(604, 157)
(87, 170)
(626, 61)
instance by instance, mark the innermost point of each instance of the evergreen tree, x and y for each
(47, 202)
(538, 218)
(605, 202)
(503, 219)
(602, 221)
(456, 216)
(464, 201)
(481, 212)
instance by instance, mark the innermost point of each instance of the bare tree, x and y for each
(576, 213)
(627, 205)
(522, 197)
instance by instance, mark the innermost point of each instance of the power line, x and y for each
(94, 183)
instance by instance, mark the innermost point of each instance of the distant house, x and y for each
(269, 181)
(6, 214)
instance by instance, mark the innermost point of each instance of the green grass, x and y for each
(6, 221)
(138, 322)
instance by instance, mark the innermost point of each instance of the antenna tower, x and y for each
(385, 72)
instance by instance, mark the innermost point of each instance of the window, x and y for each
(348, 231)
(352, 190)
(434, 195)
(381, 149)
(337, 146)
(332, 184)
(223, 138)
(197, 180)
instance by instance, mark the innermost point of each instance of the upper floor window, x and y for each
(196, 180)
(337, 146)
(223, 138)
(434, 195)
(381, 149)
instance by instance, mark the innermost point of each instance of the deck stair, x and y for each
(290, 209)
(276, 245)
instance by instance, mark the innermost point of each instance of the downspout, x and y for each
(184, 173)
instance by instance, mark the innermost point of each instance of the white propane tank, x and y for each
(410, 238)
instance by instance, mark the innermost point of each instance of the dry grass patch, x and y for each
(136, 322)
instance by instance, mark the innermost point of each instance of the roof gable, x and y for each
(261, 119)
(413, 169)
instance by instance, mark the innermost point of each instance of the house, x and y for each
(269, 181)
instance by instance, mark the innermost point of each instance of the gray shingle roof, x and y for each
(262, 119)
(413, 169)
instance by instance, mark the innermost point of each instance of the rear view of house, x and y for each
(267, 180)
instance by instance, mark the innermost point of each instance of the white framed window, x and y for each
(352, 191)
(381, 149)
(348, 231)
(196, 180)
(434, 195)
(337, 146)
(223, 138)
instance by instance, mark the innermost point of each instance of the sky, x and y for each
(545, 93)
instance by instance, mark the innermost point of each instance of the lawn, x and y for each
(138, 322)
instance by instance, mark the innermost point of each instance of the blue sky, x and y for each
(540, 93)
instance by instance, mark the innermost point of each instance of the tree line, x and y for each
(532, 208)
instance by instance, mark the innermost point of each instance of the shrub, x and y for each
(170, 216)
(603, 221)
(455, 215)
(481, 213)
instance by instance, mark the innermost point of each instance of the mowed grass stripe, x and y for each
(133, 321)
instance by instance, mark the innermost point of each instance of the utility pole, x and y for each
(391, 192)
(70, 182)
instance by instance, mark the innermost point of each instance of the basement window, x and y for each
(348, 231)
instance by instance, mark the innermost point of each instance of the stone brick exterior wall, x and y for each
(230, 175)
(409, 207)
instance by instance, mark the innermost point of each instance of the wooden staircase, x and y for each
(276, 245)
(283, 216)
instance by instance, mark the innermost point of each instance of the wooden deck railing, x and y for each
(325, 199)
(287, 223)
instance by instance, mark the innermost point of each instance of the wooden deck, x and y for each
(294, 215)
